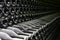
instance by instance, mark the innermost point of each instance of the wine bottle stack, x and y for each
(22, 20)
(43, 28)
(16, 11)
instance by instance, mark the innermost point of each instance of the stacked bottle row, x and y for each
(38, 29)
(16, 11)
(47, 30)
